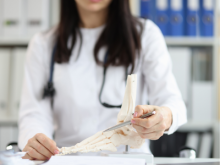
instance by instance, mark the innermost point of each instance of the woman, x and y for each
(93, 35)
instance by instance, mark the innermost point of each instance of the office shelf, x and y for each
(15, 41)
(197, 126)
(171, 41)
(8, 120)
(189, 41)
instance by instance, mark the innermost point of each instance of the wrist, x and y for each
(168, 117)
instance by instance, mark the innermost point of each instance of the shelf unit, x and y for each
(8, 121)
(190, 41)
(14, 41)
(216, 62)
(214, 44)
(171, 41)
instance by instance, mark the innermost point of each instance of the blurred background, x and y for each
(192, 33)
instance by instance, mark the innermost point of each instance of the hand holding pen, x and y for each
(152, 127)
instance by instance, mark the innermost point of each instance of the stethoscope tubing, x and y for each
(49, 90)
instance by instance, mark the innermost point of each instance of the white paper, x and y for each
(9, 158)
(89, 160)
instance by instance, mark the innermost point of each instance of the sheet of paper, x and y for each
(90, 160)
(10, 158)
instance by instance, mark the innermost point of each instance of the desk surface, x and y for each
(173, 161)
(184, 160)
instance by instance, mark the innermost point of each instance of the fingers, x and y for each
(41, 149)
(156, 128)
(152, 136)
(148, 122)
(143, 109)
(26, 156)
(34, 154)
(152, 127)
(49, 144)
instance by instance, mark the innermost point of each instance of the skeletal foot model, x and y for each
(112, 139)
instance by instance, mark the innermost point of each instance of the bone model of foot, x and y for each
(112, 139)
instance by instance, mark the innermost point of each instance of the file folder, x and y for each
(202, 101)
(192, 140)
(206, 145)
(207, 18)
(134, 7)
(162, 16)
(181, 61)
(55, 12)
(192, 18)
(4, 83)
(8, 134)
(176, 18)
(17, 72)
(1, 18)
(37, 16)
(12, 17)
(202, 63)
(147, 9)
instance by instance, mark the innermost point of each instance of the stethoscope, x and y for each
(49, 90)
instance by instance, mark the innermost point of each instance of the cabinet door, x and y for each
(8, 134)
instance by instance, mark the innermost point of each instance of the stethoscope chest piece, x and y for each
(49, 90)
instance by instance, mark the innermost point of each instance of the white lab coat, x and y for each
(77, 112)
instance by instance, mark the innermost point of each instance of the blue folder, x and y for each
(207, 19)
(192, 20)
(162, 18)
(147, 9)
(177, 18)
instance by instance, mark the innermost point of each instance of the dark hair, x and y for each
(121, 35)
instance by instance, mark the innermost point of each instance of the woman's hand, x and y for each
(154, 126)
(40, 147)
